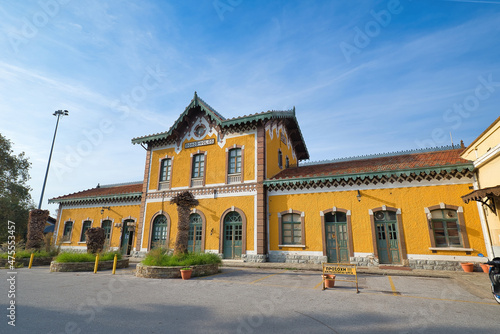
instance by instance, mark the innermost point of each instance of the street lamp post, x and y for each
(57, 113)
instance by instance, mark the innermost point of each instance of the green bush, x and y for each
(27, 253)
(159, 257)
(86, 257)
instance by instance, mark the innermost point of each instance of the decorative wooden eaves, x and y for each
(224, 126)
(399, 176)
(129, 197)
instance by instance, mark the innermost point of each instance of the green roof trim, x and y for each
(113, 197)
(370, 175)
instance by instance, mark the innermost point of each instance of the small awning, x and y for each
(478, 195)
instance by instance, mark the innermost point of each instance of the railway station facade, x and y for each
(259, 202)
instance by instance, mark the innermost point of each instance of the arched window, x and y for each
(198, 170)
(234, 161)
(160, 225)
(446, 228)
(280, 159)
(291, 228)
(198, 165)
(165, 173)
(106, 225)
(68, 227)
(287, 162)
(85, 226)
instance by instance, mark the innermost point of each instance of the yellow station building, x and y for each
(259, 202)
(484, 151)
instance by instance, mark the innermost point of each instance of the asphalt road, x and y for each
(241, 300)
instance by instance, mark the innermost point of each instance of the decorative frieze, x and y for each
(207, 191)
(356, 180)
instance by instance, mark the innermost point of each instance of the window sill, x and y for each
(82, 242)
(451, 249)
(292, 246)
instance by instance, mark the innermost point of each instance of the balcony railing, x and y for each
(198, 182)
(234, 178)
(164, 185)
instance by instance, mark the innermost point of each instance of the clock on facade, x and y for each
(200, 130)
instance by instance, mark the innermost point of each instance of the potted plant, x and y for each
(186, 273)
(485, 267)
(329, 280)
(467, 267)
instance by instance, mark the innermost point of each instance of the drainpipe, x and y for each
(484, 221)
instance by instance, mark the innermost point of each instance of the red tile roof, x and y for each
(377, 164)
(102, 191)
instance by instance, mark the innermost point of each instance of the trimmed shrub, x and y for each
(160, 257)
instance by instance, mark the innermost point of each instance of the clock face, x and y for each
(200, 131)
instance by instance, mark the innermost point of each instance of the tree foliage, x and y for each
(15, 197)
(185, 202)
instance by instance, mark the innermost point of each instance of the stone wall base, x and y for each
(175, 272)
(368, 261)
(287, 258)
(253, 258)
(438, 265)
(37, 261)
(138, 254)
(371, 261)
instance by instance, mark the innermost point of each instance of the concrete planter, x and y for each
(175, 272)
(37, 261)
(86, 266)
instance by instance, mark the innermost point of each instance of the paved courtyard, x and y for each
(243, 300)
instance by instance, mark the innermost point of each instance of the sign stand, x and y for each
(340, 269)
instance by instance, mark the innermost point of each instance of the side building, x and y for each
(258, 202)
(484, 151)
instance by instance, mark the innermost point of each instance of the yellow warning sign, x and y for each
(339, 269)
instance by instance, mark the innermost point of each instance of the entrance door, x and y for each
(386, 228)
(337, 240)
(159, 235)
(233, 235)
(195, 233)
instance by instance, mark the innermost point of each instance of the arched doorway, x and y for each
(159, 232)
(232, 235)
(387, 236)
(195, 233)
(128, 227)
(337, 237)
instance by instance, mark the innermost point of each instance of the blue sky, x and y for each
(364, 76)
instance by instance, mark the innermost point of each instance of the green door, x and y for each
(337, 240)
(159, 236)
(195, 233)
(233, 235)
(386, 228)
(127, 236)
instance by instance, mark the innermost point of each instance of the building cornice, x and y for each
(408, 175)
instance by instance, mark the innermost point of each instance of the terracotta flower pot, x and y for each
(186, 273)
(486, 267)
(467, 267)
(329, 281)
